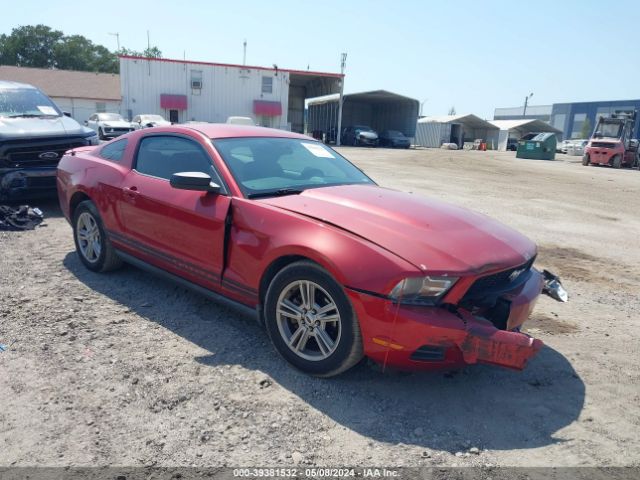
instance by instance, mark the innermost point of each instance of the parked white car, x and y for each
(108, 125)
(576, 147)
(241, 121)
(149, 120)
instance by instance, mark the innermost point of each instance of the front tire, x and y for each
(101, 135)
(616, 161)
(311, 322)
(585, 160)
(92, 244)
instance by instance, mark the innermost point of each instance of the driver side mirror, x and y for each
(67, 114)
(197, 181)
(86, 122)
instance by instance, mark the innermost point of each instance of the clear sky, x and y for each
(474, 55)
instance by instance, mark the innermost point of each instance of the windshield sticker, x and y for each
(318, 150)
(47, 110)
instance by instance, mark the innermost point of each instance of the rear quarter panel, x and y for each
(83, 171)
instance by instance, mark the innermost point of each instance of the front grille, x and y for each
(498, 282)
(41, 182)
(37, 153)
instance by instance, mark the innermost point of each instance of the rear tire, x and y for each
(92, 244)
(310, 321)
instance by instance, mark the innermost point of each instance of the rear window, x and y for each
(114, 151)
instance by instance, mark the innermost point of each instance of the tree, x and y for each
(151, 52)
(41, 47)
(30, 46)
(586, 129)
(452, 111)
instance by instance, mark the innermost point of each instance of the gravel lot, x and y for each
(126, 369)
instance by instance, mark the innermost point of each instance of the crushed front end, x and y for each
(480, 326)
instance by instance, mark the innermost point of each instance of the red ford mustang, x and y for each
(336, 267)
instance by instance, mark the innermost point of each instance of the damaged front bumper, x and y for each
(20, 183)
(408, 337)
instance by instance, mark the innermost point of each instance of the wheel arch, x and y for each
(77, 198)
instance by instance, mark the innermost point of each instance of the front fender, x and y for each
(262, 233)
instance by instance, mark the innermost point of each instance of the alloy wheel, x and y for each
(89, 239)
(308, 320)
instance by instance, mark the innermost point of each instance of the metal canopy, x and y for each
(374, 96)
(525, 126)
(469, 121)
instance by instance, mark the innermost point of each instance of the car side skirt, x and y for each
(216, 297)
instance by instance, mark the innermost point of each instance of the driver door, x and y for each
(181, 231)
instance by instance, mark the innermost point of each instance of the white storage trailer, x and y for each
(432, 132)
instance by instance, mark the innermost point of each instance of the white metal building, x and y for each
(182, 91)
(79, 93)
(516, 129)
(434, 131)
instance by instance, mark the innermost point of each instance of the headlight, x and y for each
(422, 290)
(92, 138)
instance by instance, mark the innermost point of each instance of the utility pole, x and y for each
(526, 102)
(117, 35)
(422, 105)
(244, 52)
(343, 64)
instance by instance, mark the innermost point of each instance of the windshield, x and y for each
(610, 130)
(362, 128)
(109, 116)
(26, 102)
(394, 133)
(265, 166)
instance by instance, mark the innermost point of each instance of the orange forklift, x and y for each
(611, 143)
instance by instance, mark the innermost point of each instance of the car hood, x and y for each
(430, 234)
(16, 128)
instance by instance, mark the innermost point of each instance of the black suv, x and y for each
(34, 134)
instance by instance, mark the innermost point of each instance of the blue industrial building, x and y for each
(570, 117)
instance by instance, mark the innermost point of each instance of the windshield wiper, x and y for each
(31, 115)
(276, 193)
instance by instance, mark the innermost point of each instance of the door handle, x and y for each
(131, 192)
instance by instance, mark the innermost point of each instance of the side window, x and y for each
(162, 156)
(114, 151)
(136, 119)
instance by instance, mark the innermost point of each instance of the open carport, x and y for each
(516, 129)
(379, 109)
(459, 129)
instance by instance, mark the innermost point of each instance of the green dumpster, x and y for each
(537, 146)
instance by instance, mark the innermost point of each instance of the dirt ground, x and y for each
(126, 369)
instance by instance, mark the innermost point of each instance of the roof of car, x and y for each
(230, 130)
(8, 84)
